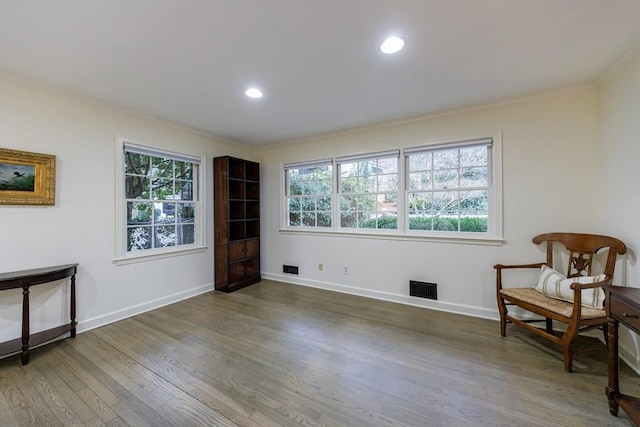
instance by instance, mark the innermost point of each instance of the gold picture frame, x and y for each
(27, 178)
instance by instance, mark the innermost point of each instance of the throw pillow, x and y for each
(555, 285)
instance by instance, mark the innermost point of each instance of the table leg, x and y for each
(613, 387)
(25, 325)
(73, 306)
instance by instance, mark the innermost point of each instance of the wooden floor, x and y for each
(277, 354)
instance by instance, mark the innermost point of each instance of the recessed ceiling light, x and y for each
(392, 45)
(253, 92)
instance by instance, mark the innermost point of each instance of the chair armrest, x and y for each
(580, 286)
(500, 267)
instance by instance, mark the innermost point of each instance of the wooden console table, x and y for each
(25, 279)
(623, 306)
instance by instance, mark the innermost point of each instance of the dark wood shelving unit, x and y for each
(236, 222)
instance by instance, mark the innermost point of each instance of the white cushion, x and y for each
(555, 285)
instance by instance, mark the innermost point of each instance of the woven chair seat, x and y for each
(562, 308)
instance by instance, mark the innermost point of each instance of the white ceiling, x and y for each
(317, 61)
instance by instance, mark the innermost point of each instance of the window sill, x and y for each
(151, 255)
(465, 240)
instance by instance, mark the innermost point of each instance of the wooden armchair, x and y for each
(584, 312)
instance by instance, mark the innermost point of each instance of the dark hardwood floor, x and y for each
(277, 354)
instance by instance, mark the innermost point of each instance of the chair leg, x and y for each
(568, 338)
(605, 332)
(502, 308)
(568, 358)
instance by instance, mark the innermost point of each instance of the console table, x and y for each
(25, 279)
(623, 307)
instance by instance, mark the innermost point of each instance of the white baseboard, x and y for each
(105, 319)
(388, 296)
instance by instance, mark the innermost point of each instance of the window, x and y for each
(309, 192)
(448, 187)
(368, 191)
(158, 201)
(449, 190)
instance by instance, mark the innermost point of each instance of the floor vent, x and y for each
(423, 289)
(290, 269)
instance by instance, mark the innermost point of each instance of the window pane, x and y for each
(388, 222)
(136, 187)
(186, 212)
(295, 183)
(184, 190)
(139, 213)
(420, 162)
(161, 189)
(445, 159)
(164, 213)
(165, 235)
(294, 219)
(186, 234)
(348, 203)
(420, 180)
(473, 177)
(475, 203)
(308, 203)
(419, 203)
(388, 183)
(184, 170)
(324, 219)
(309, 219)
(348, 220)
(137, 164)
(138, 238)
(324, 203)
(446, 178)
(388, 165)
(162, 167)
(366, 202)
(294, 204)
(473, 156)
(445, 203)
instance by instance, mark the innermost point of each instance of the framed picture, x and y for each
(27, 178)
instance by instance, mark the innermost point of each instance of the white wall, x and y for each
(81, 134)
(619, 198)
(550, 167)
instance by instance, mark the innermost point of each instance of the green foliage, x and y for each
(474, 224)
(24, 183)
(467, 224)
(143, 213)
(384, 222)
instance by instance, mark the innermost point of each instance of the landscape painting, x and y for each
(17, 177)
(26, 178)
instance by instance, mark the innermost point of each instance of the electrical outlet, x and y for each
(320, 266)
(346, 269)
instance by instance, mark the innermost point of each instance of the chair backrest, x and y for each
(582, 247)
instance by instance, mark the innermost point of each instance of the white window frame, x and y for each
(122, 256)
(311, 164)
(493, 236)
(494, 187)
(394, 154)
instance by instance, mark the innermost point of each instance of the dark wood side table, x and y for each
(623, 307)
(25, 279)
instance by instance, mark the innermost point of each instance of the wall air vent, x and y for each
(423, 289)
(291, 269)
